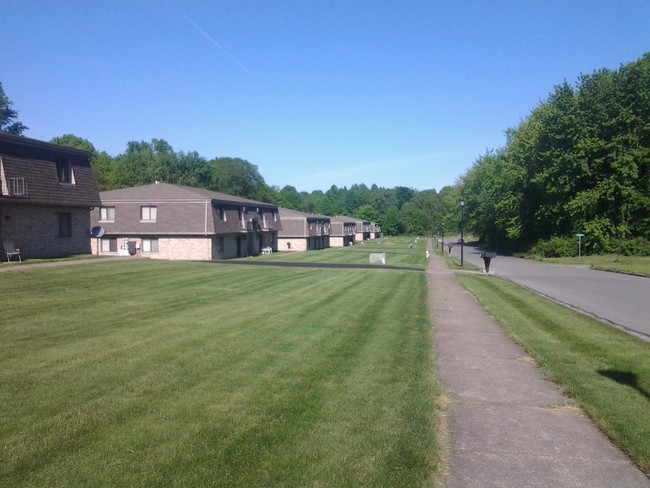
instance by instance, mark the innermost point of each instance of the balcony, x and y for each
(254, 225)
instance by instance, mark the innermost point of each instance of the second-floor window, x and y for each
(64, 170)
(107, 214)
(148, 213)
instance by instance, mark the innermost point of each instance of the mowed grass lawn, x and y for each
(148, 373)
(605, 370)
(400, 251)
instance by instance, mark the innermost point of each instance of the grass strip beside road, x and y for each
(606, 371)
(153, 373)
(637, 265)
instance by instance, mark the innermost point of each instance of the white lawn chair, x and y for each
(11, 250)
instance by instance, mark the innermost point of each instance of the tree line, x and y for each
(578, 163)
(398, 210)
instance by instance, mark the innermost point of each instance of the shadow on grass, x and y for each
(625, 378)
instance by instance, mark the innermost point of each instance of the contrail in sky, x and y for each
(207, 36)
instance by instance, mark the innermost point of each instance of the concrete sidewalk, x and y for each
(510, 427)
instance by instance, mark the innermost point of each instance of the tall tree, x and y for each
(366, 212)
(70, 140)
(580, 162)
(8, 116)
(289, 197)
(238, 177)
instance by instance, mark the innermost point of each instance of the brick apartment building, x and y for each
(46, 194)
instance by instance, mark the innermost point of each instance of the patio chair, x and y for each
(11, 250)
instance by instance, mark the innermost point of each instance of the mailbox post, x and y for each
(487, 257)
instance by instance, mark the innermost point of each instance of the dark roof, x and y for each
(168, 192)
(35, 149)
(289, 213)
(33, 162)
(345, 220)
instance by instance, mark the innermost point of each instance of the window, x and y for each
(148, 213)
(65, 224)
(108, 245)
(107, 214)
(64, 170)
(150, 245)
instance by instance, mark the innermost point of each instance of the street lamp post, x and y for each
(462, 225)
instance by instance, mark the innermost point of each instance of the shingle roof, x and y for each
(34, 162)
(347, 220)
(289, 213)
(168, 192)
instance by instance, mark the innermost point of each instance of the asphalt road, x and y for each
(619, 299)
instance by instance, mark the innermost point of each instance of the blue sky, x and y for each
(315, 93)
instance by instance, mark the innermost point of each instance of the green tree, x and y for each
(391, 223)
(289, 197)
(333, 202)
(421, 214)
(312, 200)
(70, 140)
(9, 116)
(141, 163)
(580, 162)
(366, 212)
(492, 189)
(235, 176)
(191, 169)
(103, 167)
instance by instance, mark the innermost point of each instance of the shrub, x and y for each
(556, 247)
(636, 247)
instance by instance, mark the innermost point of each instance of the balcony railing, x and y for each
(256, 226)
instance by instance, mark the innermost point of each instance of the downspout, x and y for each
(205, 228)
